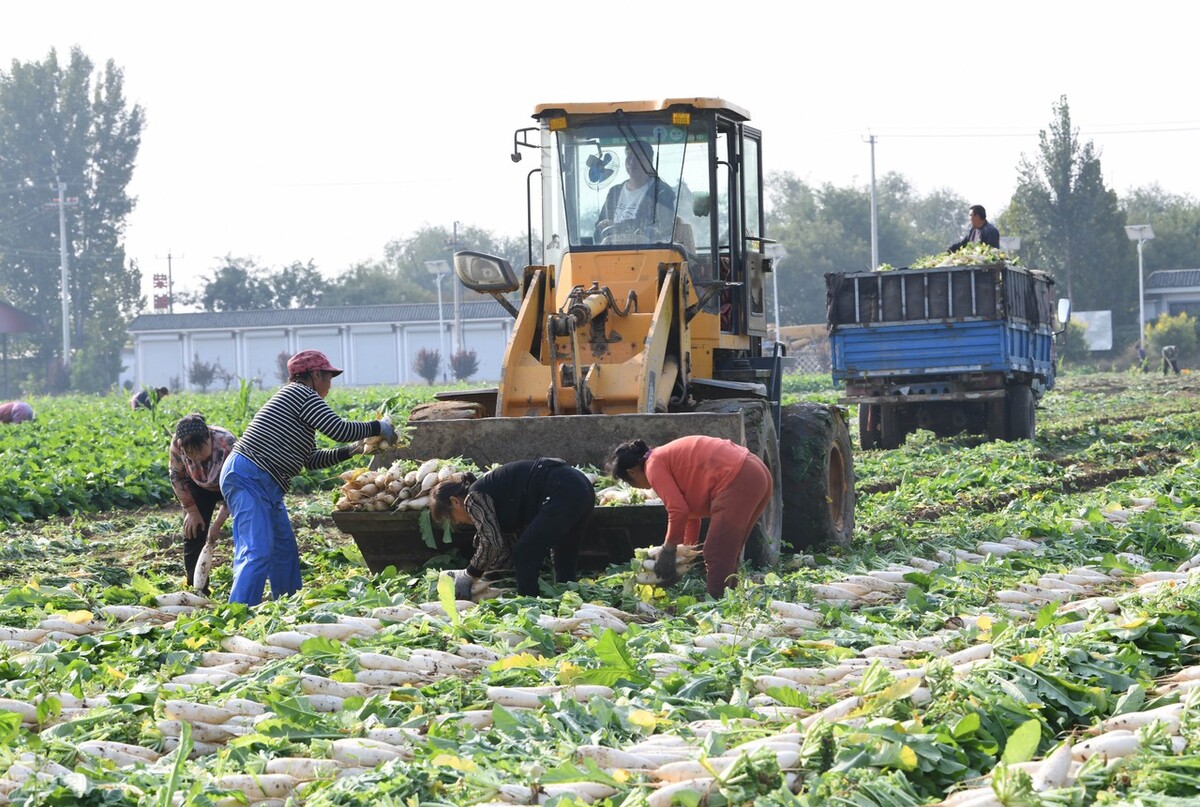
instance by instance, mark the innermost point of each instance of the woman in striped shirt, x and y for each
(278, 443)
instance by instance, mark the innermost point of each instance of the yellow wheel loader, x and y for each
(641, 315)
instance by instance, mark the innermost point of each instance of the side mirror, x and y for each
(485, 274)
(701, 204)
(1064, 311)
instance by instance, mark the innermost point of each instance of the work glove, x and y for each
(463, 584)
(193, 525)
(664, 565)
(387, 431)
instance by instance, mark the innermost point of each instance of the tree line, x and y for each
(71, 123)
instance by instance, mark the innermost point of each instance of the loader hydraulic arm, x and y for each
(583, 307)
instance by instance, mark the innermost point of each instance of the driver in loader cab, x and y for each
(642, 204)
(544, 503)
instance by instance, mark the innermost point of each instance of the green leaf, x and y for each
(1132, 701)
(319, 646)
(1045, 616)
(967, 725)
(425, 523)
(1023, 743)
(445, 592)
(788, 696)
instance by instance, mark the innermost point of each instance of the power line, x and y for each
(1110, 129)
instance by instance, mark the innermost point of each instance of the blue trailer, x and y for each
(950, 349)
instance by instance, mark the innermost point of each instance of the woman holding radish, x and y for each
(521, 512)
(699, 477)
(278, 443)
(196, 456)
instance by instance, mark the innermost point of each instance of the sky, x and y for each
(299, 130)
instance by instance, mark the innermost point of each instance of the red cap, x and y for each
(308, 360)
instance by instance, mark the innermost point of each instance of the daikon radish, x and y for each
(924, 564)
(215, 658)
(27, 711)
(813, 676)
(764, 682)
(134, 613)
(57, 624)
(1020, 543)
(324, 703)
(193, 712)
(114, 752)
(606, 757)
(290, 639)
(30, 635)
(258, 786)
(392, 735)
(200, 748)
(397, 613)
(1168, 715)
(795, 611)
(666, 796)
(203, 732)
(973, 653)
(240, 644)
(335, 630)
(363, 752)
(390, 678)
(243, 706)
(303, 768)
(206, 676)
(476, 652)
(580, 791)
(1054, 772)
(475, 718)
(182, 598)
(1112, 745)
(837, 711)
(236, 667)
(445, 658)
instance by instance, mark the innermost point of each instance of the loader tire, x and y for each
(763, 546)
(818, 476)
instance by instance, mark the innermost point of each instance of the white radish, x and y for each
(303, 768)
(335, 630)
(1112, 745)
(240, 644)
(258, 786)
(363, 752)
(203, 732)
(793, 610)
(666, 796)
(1168, 715)
(1054, 772)
(182, 598)
(324, 703)
(606, 757)
(390, 678)
(195, 712)
(316, 685)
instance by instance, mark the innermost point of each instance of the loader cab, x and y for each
(684, 175)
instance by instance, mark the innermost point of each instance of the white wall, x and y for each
(370, 353)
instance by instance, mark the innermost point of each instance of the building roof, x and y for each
(1174, 279)
(327, 315)
(14, 320)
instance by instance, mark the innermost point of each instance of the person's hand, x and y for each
(214, 532)
(387, 431)
(463, 584)
(664, 564)
(193, 524)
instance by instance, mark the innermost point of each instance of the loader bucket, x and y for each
(614, 532)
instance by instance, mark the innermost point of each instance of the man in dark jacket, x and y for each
(981, 231)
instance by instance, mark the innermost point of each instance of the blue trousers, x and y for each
(264, 546)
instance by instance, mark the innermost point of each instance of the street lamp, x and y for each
(1140, 233)
(776, 252)
(440, 269)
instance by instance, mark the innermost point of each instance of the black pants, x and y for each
(206, 502)
(558, 525)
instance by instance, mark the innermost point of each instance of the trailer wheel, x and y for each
(818, 476)
(763, 546)
(1021, 413)
(868, 426)
(891, 427)
(997, 419)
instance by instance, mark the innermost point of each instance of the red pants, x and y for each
(735, 510)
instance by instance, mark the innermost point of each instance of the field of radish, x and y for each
(1016, 624)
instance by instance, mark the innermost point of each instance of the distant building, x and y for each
(1173, 291)
(374, 344)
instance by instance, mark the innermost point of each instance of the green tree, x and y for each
(240, 284)
(71, 124)
(1176, 222)
(1071, 225)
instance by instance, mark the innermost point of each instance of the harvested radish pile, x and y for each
(1016, 624)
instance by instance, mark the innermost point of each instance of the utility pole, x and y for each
(170, 282)
(457, 294)
(874, 213)
(64, 261)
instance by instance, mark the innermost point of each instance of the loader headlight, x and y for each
(485, 273)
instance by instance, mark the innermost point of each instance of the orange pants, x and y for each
(735, 510)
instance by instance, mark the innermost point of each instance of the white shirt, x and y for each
(628, 201)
